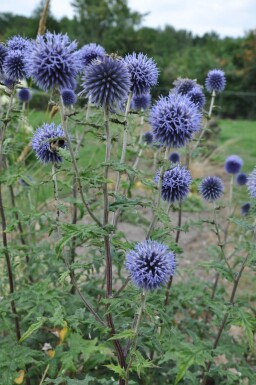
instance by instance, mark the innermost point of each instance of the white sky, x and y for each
(226, 17)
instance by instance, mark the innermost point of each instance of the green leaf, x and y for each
(247, 322)
(125, 334)
(117, 369)
(32, 328)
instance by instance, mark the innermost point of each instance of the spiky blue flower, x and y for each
(215, 81)
(68, 96)
(46, 142)
(233, 164)
(211, 188)
(174, 120)
(107, 82)
(3, 53)
(175, 183)
(52, 63)
(141, 102)
(241, 179)
(24, 95)
(174, 157)
(90, 52)
(143, 71)
(150, 264)
(245, 208)
(18, 43)
(184, 86)
(148, 137)
(251, 183)
(14, 65)
(197, 96)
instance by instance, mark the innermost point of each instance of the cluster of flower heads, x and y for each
(211, 188)
(46, 142)
(150, 264)
(191, 89)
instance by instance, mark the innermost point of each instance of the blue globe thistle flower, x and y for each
(24, 95)
(215, 81)
(251, 183)
(174, 120)
(141, 102)
(68, 96)
(46, 141)
(148, 137)
(107, 83)
(211, 188)
(3, 53)
(51, 61)
(241, 179)
(174, 157)
(150, 264)
(14, 65)
(90, 52)
(184, 86)
(175, 184)
(197, 96)
(18, 43)
(143, 71)
(245, 208)
(233, 164)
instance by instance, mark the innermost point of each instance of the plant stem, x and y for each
(3, 129)
(44, 374)
(56, 197)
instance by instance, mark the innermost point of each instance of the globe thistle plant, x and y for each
(46, 142)
(150, 264)
(245, 208)
(90, 52)
(233, 164)
(14, 65)
(215, 81)
(174, 120)
(107, 83)
(241, 179)
(142, 101)
(184, 86)
(251, 183)
(24, 95)
(68, 96)
(52, 63)
(197, 96)
(148, 137)
(143, 71)
(174, 157)
(211, 188)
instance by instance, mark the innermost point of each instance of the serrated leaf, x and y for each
(117, 369)
(32, 328)
(125, 334)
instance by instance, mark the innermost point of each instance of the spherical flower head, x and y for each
(143, 71)
(90, 52)
(141, 102)
(14, 65)
(148, 137)
(150, 264)
(251, 183)
(18, 43)
(184, 86)
(211, 188)
(174, 157)
(51, 61)
(24, 95)
(174, 120)
(68, 96)
(175, 184)
(46, 142)
(245, 208)
(215, 81)
(241, 179)
(107, 82)
(3, 54)
(233, 164)
(197, 96)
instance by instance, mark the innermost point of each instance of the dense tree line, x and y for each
(178, 53)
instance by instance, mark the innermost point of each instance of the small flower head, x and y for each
(245, 208)
(148, 137)
(174, 157)
(241, 179)
(184, 86)
(14, 65)
(174, 120)
(46, 142)
(211, 188)
(197, 96)
(150, 264)
(233, 164)
(3, 53)
(251, 183)
(107, 83)
(24, 95)
(18, 43)
(51, 61)
(215, 81)
(90, 52)
(68, 96)
(143, 71)
(141, 102)
(175, 184)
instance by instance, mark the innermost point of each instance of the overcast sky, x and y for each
(226, 17)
